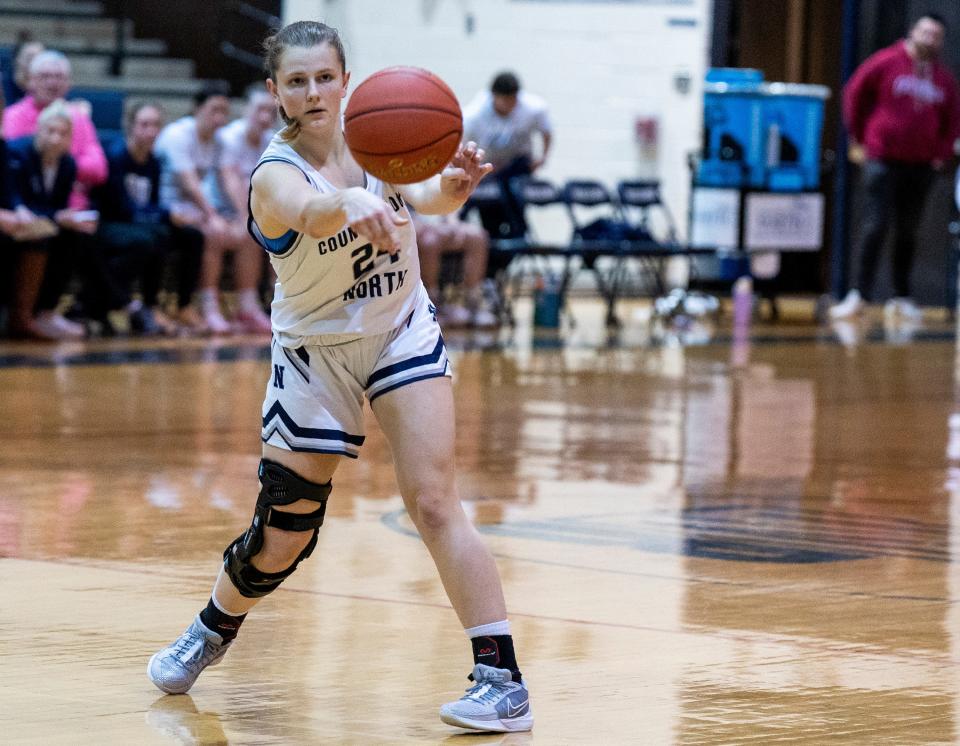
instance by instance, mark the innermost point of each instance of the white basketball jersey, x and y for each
(338, 284)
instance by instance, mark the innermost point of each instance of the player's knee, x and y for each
(432, 511)
(277, 541)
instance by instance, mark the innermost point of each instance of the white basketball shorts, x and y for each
(314, 399)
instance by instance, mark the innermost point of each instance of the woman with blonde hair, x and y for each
(44, 174)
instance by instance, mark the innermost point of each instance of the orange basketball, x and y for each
(403, 124)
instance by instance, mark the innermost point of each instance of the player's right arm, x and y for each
(282, 199)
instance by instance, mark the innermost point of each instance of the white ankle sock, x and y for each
(489, 630)
(213, 597)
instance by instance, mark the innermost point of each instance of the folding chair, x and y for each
(531, 254)
(643, 208)
(602, 230)
(638, 200)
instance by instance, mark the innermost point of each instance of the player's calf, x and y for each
(204, 643)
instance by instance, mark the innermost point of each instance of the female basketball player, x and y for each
(351, 318)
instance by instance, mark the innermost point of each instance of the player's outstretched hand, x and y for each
(372, 218)
(463, 173)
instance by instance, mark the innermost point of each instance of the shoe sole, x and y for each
(493, 726)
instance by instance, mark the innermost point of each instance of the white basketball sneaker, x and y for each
(175, 668)
(849, 306)
(495, 702)
(902, 308)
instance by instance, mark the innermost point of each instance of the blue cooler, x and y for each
(792, 125)
(733, 144)
(744, 77)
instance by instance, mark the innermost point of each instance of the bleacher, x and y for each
(110, 64)
(613, 242)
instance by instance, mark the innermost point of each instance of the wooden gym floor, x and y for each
(700, 543)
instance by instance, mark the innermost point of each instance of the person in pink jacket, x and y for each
(48, 81)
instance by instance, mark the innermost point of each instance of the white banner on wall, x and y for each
(784, 221)
(715, 218)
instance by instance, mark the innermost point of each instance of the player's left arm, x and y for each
(448, 190)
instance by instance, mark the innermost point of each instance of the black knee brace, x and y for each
(278, 486)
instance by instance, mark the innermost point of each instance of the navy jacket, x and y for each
(131, 193)
(28, 178)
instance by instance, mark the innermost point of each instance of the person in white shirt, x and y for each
(190, 152)
(241, 143)
(507, 123)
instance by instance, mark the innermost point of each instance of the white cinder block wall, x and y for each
(600, 65)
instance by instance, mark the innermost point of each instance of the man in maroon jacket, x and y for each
(902, 108)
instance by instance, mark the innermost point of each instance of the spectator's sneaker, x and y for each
(495, 702)
(483, 318)
(253, 321)
(902, 308)
(482, 315)
(848, 307)
(453, 316)
(215, 323)
(910, 310)
(54, 326)
(175, 668)
(31, 330)
(143, 322)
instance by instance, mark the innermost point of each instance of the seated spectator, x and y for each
(16, 222)
(241, 143)
(190, 152)
(44, 174)
(438, 235)
(15, 79)
(49, 80)
(506, 122)
(137, 236)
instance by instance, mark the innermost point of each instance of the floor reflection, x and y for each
(177, 717)
(743, 537)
